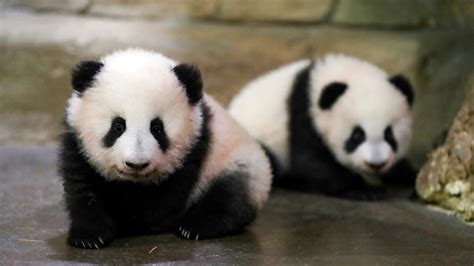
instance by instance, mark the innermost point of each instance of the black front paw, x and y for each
(368, 194)
(89, 238)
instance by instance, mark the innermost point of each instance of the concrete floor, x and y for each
(294, 228)
(37, 52)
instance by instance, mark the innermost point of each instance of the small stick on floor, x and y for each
(31, 240)
(153, 249)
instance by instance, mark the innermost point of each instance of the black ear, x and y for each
(190, 77)
(404, 86)
(331, 93)
(83, 75)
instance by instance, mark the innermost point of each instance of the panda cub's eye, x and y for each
(158, 131)
(388, 133)
(118, 125)
(390, 138)
(358, 134)
(155, 129)
(355, 139)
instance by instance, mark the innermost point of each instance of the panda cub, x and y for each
(338, 125)
(147, 151)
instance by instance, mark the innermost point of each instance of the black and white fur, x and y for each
(337, 125)
(147, 151)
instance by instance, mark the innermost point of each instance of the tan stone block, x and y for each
(396, 13)
(274, 10)
(452, 189)
(141, 8)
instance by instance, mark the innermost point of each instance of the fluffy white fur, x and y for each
(138, 86)
(233, 149)
(370, 101)
(261, 108)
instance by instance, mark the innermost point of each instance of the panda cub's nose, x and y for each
(135, 166)
(375, 166)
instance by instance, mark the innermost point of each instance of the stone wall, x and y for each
(447, 179)
(361, 13)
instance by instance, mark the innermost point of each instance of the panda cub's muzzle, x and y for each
(377, 157)
(136, 170)
(137, 166)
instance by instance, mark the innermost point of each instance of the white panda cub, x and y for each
(147, 151)
(337, 125)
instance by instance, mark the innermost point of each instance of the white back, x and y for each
(232, 149)
(261, 108)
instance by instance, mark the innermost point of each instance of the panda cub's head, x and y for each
(135, 113)
(363, 115)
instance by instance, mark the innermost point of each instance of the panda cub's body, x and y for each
(337, 125)
(146, 151)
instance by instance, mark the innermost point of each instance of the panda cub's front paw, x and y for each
(89, 239)
(187, 233)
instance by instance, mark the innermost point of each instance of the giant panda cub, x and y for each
(147, 151)
(338, 125)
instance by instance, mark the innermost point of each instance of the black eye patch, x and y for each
(390, 138)
(356, 138)
(117, 128)
(157, 129)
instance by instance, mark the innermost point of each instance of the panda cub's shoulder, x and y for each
(232, 149)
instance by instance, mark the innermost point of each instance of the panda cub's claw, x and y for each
(89, 240)
(87, 243)
(187, 234)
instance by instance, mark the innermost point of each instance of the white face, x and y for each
(369, 142)
(368, 128)
(135, 122)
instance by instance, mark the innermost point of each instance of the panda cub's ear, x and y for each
(190, 77)
(331, 93)
(403, 85)
(83, 75)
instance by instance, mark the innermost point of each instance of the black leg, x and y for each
(91, 227)
(313, 175)
(401, 174)
(223, 210)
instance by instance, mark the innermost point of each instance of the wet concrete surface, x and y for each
(294, 228)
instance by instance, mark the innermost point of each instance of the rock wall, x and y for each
(447, 178)
(367, 13)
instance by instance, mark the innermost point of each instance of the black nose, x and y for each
(376, 166)
(135, 166)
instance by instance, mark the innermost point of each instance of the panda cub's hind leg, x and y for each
(224, 209)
